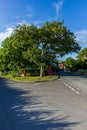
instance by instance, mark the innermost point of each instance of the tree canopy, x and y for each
(82, 55)
(40, 45)
(82, 58)
(70, 64)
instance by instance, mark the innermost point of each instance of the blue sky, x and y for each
(73, 12)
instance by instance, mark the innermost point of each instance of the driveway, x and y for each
(49, 105)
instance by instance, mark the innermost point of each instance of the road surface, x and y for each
(49, 105)
(76, 82)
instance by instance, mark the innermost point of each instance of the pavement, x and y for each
(49, 105)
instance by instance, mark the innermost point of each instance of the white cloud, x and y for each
(81, 37)
(5, 34)
(22, 22)
(29, 15)
(17, 17)
(58, 7)
(39, 22)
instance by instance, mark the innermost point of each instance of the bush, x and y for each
(1, 73)
(31, 71)
(13, 74)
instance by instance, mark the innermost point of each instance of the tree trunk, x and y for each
(42, 68)
(41, 71)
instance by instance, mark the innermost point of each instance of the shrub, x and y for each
(13, 74)
(31, 71)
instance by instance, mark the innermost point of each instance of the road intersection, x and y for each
(49, 105)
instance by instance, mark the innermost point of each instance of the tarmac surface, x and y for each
(50, 105)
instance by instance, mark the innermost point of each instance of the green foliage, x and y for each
(39, 45)
(70, 63)
(82, 58)
(1, 73)
(32, 70)
(57, 39)
(82, 55)
(12, 74)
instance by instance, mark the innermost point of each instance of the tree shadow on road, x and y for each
(25, 112)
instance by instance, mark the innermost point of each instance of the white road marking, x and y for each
(70, 87)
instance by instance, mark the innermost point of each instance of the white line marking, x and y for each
(70, 87)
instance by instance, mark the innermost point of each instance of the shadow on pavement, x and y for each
(25, 112)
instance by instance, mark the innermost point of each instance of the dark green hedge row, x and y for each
(32, 70)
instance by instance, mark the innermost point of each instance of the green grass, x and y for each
(31, 78)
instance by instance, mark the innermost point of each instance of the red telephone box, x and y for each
(50, 70)
(24, 72)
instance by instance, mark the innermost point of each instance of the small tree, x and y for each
(70, 63)
(82, 58)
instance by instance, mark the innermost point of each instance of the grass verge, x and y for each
(32, 78)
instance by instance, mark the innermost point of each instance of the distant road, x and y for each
(49, 105)
(76, 81)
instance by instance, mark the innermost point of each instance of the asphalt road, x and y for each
(77, 82)
(49, 105)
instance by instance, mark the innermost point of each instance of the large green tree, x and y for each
(40, 45)
(23, 40)
(56, 40)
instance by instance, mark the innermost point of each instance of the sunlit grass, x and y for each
(31, 78)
